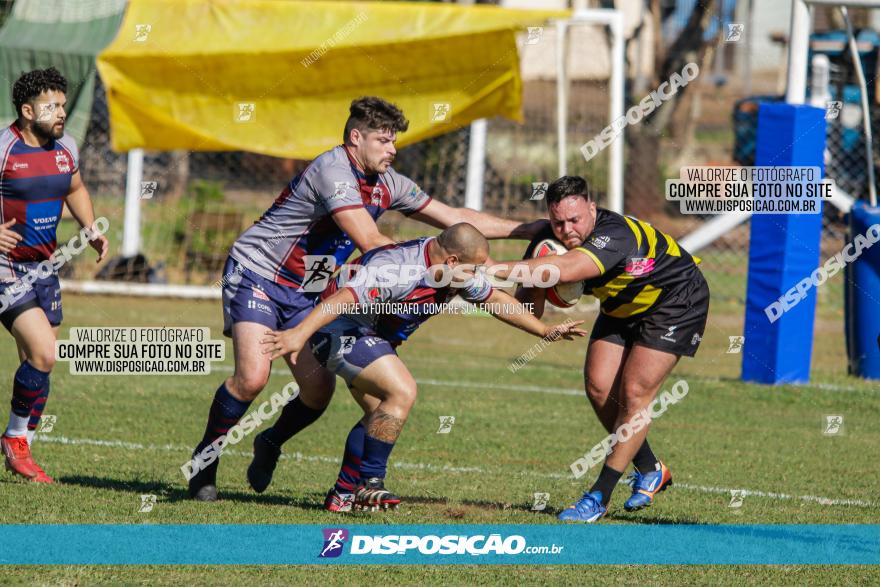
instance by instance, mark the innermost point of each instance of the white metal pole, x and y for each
(476, 169)
(561, 97)
(713, 230)
(798, 49)
(820, 81)
(131, 227)
(749, 45)
(615, 182)
(866, 113)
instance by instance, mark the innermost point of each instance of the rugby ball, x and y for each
(563, 295)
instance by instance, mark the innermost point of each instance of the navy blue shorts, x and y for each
(346, 348)
(250, 297)
(45, 293)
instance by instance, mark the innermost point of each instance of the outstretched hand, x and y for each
(285, 342)
(568, 330)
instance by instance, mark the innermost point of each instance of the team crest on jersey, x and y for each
(639, 266)
(62, 162)
(340, 189)
(376, 196)
(259, 294)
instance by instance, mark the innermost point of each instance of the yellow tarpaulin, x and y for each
(276, 77)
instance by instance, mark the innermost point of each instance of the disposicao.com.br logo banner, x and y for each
(443, 544)
(365, 541)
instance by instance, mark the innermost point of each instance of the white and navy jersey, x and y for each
(395, 292)
(301, 223)
(33, 184)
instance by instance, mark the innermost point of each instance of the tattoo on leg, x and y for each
(383, 426)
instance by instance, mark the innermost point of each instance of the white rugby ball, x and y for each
(563, 295)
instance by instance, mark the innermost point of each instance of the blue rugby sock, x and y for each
(349, 473)
(375, 459)
(225, 413)
(37, 411)
(294, 417)
(27, 386)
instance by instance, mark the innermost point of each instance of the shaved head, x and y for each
(465, 242)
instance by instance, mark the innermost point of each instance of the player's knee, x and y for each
(596, 393)
(405, 396)
(42, 360)
(635, 394)
(247, 386)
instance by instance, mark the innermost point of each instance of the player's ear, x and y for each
(27, 111)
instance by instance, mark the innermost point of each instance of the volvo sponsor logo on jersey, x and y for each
(47, 222)
(600, 241)
(62, 162)
(670, 332)
(639, 266)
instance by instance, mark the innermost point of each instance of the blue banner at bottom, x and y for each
(608, 544)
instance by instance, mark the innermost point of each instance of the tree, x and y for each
(643, 140)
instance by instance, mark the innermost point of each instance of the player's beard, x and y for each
(377, 168)
(48, 130)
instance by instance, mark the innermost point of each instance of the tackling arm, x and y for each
(503, 307)
(293, 340)
(439, 215)
(360, 226)
(573, 266)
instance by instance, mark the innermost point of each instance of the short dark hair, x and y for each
(33, 83)
(568, 185)
(370, 113)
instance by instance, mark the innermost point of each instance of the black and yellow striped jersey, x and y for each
(640, 265)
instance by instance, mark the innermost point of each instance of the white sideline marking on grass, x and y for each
(773, 495)
(457, 384)
(563, 391)
(297, 456)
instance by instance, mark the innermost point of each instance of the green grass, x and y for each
(724, 434)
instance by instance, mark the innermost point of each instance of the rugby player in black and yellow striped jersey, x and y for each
(653, 308)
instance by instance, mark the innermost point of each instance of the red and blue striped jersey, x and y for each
(33, 184)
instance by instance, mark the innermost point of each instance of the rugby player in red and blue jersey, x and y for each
(330, 208)
(363, 319)
(39, 172)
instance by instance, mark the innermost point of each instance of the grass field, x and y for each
(117, 437)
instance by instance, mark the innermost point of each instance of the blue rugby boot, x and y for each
(646, 486)
(588, 509)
